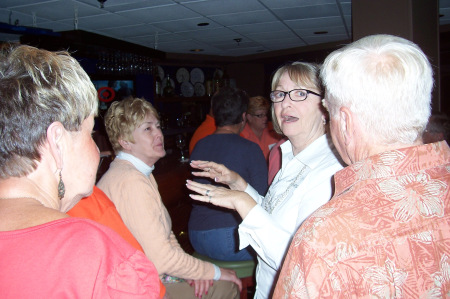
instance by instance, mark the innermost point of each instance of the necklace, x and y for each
(271, 203)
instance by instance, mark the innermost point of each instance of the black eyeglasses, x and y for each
(296, 95)
(261, 115)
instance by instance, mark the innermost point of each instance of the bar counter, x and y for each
(171, 176)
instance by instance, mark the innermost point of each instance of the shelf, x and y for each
(175, 131)
(182, 99)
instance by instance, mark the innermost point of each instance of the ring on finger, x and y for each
(209, 198)
(209, 169)
(207, 192)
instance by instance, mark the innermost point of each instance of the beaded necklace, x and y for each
(271, 203)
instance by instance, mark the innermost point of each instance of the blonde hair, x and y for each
(302, 73)
(123, 117)
(37, 88)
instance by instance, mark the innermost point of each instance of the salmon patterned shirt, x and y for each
(385, 233)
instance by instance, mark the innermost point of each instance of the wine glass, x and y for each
(181, 144)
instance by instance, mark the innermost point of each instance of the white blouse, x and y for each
(303, 184)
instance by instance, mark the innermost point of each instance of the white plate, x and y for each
(182, 75)
(197, 75)
(187, 90)
(160, 72)
(199, 89)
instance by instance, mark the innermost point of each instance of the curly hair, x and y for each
(123, 117)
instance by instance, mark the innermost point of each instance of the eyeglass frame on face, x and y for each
(289, 93)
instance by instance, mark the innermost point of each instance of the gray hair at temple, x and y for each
(37, 88)
(385, 80)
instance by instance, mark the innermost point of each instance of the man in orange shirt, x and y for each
(386, 231)
(207, 127)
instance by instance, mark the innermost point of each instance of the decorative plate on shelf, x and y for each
(182, 75)
(187, 90)
(199, 89)
(197, 75)
(160, 72)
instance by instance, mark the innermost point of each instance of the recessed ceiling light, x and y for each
(202, 24)
(196, 50)
(321, 32)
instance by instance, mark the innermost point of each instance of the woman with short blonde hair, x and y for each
(48, 162)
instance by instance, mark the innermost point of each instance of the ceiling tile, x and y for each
(263, 25)
(243, 18)
(307, 12)
(221, 7)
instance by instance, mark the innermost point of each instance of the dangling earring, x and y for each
(324, 120)
(61, 187)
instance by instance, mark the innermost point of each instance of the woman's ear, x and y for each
(56, 142)
(125, 144)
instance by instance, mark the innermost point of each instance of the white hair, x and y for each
(386, 81)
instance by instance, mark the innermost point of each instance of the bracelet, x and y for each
(217, 272)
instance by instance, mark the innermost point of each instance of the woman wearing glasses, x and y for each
(302, 185)
(258, 128)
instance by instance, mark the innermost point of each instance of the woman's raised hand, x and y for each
(222, 197)
(219, 173)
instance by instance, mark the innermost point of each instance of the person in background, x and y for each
(206, 128)
(386, 231)
(134, 131)
(438, 129)
(48, 162)
(213, 230)
(275, 160)
(258, 128)
(301, 186)
(98, 207)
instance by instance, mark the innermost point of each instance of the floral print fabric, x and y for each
(385, 233)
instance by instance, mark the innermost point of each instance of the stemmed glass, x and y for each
(181, 144)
